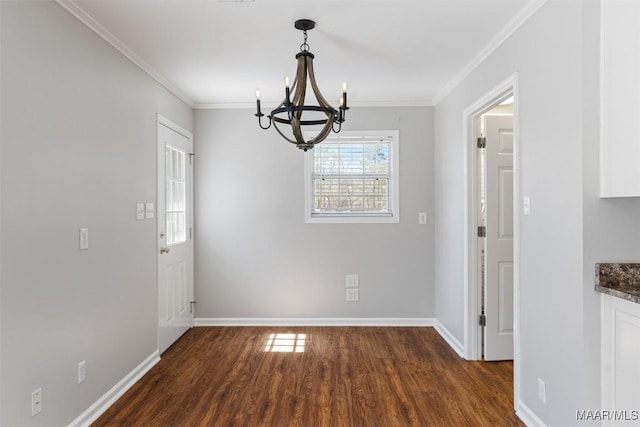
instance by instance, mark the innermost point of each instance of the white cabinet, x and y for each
(620, 373)
(620, 98)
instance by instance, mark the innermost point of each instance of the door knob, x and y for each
(164, 250)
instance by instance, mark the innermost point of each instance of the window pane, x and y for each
(377, 159)
(351, 178)
(175, 196)
(351, 159)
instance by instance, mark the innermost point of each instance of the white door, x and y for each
(498, 295)
(175, 244)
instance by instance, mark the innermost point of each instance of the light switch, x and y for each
(150, 211)
(84, 238)
(526, 205)
(139, 210)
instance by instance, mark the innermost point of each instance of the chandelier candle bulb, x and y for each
(258, 113)
(287, 91)
(344, 96)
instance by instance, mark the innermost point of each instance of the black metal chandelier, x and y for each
(290, 111)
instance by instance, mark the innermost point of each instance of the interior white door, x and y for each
(175, 244)
(498, 295)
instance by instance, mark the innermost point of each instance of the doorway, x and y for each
(475, 275)
(175, 232)
(495, 216)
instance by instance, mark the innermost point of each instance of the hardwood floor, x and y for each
(313, 376)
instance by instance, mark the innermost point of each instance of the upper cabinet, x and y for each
(620, 98)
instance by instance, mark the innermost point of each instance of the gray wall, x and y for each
(78, 150)
(570, 228)
(255, 256)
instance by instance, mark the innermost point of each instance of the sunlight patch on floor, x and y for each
(285, 343)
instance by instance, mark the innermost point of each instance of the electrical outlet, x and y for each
(36, 402)
(422, 218)
(82, 371)
(352, 281)
(139, 210)
(542, 391)
(352, 294)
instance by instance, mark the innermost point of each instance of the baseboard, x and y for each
(449, 338)
(528, 416)
(320, 321)
(110, 397)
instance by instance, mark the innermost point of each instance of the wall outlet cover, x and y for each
(36, 402)
(422, 218)
(82, 371)
(352, 281)
(542, 391)
(353, 294)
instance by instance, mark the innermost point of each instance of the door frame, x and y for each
(472, 279)
(163, 121)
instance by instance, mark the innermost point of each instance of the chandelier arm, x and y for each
(300, 92)
(283, 135)
(324, 133)
(297, 130)
(330, 111)
(298, 99)
(260, 121)
(314, 86)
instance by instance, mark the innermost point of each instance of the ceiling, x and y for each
(215, 53)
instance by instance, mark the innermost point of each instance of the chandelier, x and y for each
(290, 111)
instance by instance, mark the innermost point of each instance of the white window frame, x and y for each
(352, 218)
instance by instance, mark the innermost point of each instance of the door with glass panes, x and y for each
(175, 244)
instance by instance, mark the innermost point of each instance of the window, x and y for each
(175, 195)
(353, 177)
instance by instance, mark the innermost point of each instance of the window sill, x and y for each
(336, 219)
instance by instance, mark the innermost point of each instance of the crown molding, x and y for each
(504, 34)
(269, 105)
(531, 8)
(88, 20)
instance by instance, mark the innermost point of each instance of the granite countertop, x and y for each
(620, 280)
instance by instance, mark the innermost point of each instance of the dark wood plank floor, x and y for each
(329, 376)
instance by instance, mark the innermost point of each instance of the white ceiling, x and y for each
(391, 52)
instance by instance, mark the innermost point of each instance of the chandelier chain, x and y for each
(304, 47)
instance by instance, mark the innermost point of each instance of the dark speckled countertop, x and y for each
(619, 279)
